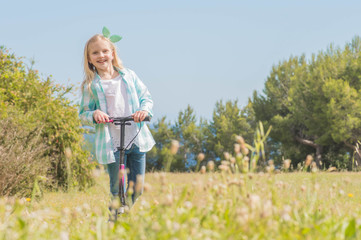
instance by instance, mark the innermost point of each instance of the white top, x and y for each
(118, 106)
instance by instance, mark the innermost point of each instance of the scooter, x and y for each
(123, 121)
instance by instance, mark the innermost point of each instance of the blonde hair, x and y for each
(89, 69)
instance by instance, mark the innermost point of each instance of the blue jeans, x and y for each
(134, 160)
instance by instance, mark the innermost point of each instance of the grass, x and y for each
(198, 206)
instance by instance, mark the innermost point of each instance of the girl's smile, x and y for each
(101, 55)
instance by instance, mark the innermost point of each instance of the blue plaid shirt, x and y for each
(139, 98)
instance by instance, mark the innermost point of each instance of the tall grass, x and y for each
(198, 206)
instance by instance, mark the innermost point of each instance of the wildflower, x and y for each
(64, 235)
(285, 215)
(350, 195)
(86, 206)
(254, 201)
(341, 192)
(169, 199)
(203, 169)
(270, 169)
(240, 140)
(28, 199)
(223, 167)
(210, 165)
(194, 221)
(286, 164)
(308, 160)
(176, 226)
(237, 148)
(245, 150)
(331, 169)
(144, 204)
(226, 163)
(279, 184)
(239, 156)
(226, 155)
(200, 157)
(314, 167)
(303, 188)
(253, 163)
(243, 215)
(188, 204)
(267, 209)
(65, 211)
(245, 165)
(174, 147)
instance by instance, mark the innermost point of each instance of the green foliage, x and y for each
(162, 133)
(190, 136)
(40, 105)
(229, 121)
(314, 105)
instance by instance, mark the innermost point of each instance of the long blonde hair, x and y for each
(89, 69)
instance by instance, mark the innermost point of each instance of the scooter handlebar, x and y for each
(127, 119)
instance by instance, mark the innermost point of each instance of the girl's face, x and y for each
(101, 55)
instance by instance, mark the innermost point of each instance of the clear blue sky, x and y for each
(186, 52)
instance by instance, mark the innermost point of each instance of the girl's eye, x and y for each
(105, 51)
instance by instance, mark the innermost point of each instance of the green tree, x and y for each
(228, 121)
(313, 105)
(191, 137)
(163, 135)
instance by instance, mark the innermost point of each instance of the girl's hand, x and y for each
(100, 117)
(139, 116)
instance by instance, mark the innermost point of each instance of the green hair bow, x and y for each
(112, 38)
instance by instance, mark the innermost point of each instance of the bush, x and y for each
(22, 159)
(39, 108)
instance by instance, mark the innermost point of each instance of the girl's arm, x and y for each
(87, 107)
(145, 99)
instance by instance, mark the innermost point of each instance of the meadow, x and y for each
(299, 205)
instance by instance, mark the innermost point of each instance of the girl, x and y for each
(109, 89)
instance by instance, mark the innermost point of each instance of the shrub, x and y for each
(39, 107)
(22, 159)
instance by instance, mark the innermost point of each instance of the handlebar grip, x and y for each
(147, 119)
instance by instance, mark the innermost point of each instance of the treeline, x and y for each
(313, 106)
